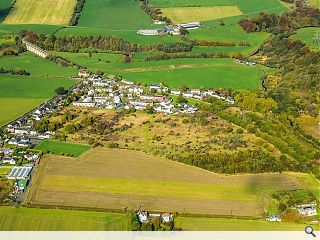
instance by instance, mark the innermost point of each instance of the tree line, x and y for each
(14, 71)
(109, 43)
(76, 12)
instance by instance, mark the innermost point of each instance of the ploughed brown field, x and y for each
(118, 179)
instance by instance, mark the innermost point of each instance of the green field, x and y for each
(12, 108)
(115, 179)
(114, 14)
(41, 12)
(32, 219)
(37, 66)
(31, 87)
(20, 94)
(209, 73)
(4, 8)
(310, 36)
(63, 148)
(224, 224)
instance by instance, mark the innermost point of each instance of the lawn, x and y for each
(310, 36)
(224, 224)
(16, 28)
(209, 73)
(114, 179)
(192, 14)
(32, 219)
(63, 148)
(41, 12)
(37, 66)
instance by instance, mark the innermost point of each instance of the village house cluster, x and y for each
(145, 216)
(18, 140)
(117, 94)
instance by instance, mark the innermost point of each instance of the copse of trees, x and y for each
(154, 13)
(285, 24)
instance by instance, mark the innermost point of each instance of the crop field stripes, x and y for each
(41, 12)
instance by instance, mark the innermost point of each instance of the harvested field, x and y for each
(191, 14)
(41, 12)
(115, 179)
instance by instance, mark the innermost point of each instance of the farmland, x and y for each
(37, 66)
(63, 148)
(223, 224)
(109, 178)
(310, 36)
(191, 14)
(20, 219)
(19, 94)
(208, 73)
(41, 12)
(109, 14)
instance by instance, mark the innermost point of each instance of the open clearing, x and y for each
(32, 219)
(310, 36)
(63, 148)
(191, 14)
(224, 224)
(115, 179)
(41, 12)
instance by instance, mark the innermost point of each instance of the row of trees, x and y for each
(76, 12)
(154, 13)
(207, 43)
(108, 43)
(14, 71)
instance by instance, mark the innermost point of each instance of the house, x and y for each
(24, 143)
(14, 141)
(307, 209)
(157, 22)
(31, 157)
(166, 217)
(187, 94)
(84, 74)
(6, 151)
(143, 216)
(153, 98)
(195, 91)
(173, 30)
(127, 82)
(8, 160)
(21, 131)
(175, 92)
(273, 218)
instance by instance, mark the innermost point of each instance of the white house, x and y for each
(166, 217)
(127, 82)
(187, 95)
(143, 216)
(273, 218)
(175, 92)
(195, 91)
(8, 160)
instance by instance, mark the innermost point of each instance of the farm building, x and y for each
(191, 25)
(84, 74)
(148, 32)
(19, 173)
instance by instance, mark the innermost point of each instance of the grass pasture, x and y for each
(32, 219)
(310, 36)
(114, 14)
(19, 94)
(224, 224)
(115, 179)
(37, 66)
(63, 148)
(209, 73)
(41, 12)
(192, 14)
